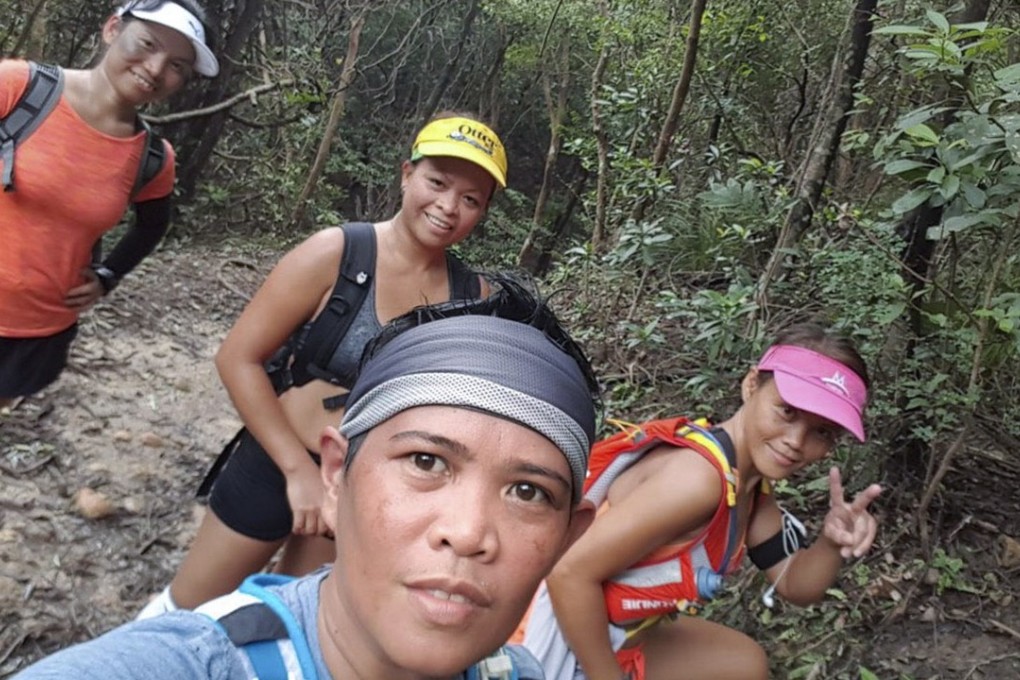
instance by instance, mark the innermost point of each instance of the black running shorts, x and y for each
(29, 364)
(249, 493)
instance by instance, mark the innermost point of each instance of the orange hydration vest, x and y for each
(675, 577)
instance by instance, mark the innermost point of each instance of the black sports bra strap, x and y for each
(464, 284)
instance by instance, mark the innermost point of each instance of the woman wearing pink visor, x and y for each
(679, 504)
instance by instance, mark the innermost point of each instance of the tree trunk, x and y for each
(193, 156)
(31, 43)
(822, 154)
(680, 90)
(561, 224)
(453, 64)
(917, 257)
(489, 99)
(336, 113)
(556, 105)
(918, 251)
(598, 235)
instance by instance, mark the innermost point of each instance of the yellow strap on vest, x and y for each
(712, 447)
(629, 428)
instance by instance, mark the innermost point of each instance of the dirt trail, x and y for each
(137, 416)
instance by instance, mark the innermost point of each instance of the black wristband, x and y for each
(108, 279)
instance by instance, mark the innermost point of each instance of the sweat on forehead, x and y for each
(503, 367)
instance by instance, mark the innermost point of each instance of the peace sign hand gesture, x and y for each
(849, 525)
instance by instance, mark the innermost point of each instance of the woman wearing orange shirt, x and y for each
(75, 175)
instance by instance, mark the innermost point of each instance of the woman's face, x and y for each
(145, 61)
(782, 438)
(444, 198)
(446, 521)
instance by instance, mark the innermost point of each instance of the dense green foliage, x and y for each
(665, 269)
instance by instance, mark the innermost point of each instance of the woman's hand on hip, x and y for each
(81, 297)
(305, 494)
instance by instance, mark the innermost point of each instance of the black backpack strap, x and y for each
(464, 284)
(357, 267)
(45, 84)
(153, 158)
(726, 444)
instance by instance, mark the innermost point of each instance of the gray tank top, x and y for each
(343, 365)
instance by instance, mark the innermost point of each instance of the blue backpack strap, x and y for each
(257, 585)
(45, 84)
(497, 666)
(259, 623)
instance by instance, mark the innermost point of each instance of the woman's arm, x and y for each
(152, 219)
(848, 531)
(287, 299)
(675, 501)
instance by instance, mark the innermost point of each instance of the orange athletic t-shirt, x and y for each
(72, 183)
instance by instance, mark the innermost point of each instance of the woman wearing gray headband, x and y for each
(452, 487)
(456, 473)
(488, 364)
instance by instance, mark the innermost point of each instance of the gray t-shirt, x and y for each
(187, 645)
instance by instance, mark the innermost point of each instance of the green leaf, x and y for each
(1008, 74)
(891, 313)
(938, 20)
(923, 52)
(960, 222)
(866, 674)
(1013, 144)
(973, 195)
(918, 116)
(911, 200)
(901, 166)
(951, 48)
(958, 163)
(900, 29)
(937, 174)
(923, 133)
(950, 186)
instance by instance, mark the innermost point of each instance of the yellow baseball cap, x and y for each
(463, 138)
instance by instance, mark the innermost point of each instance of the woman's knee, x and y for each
(757, 661)
(743, 658)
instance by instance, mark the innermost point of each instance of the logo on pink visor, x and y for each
(818, 384)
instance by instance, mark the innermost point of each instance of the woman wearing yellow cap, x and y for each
(268, 493)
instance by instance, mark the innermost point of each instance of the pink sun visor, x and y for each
(818, 384)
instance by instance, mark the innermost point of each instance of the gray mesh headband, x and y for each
(503, 367)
